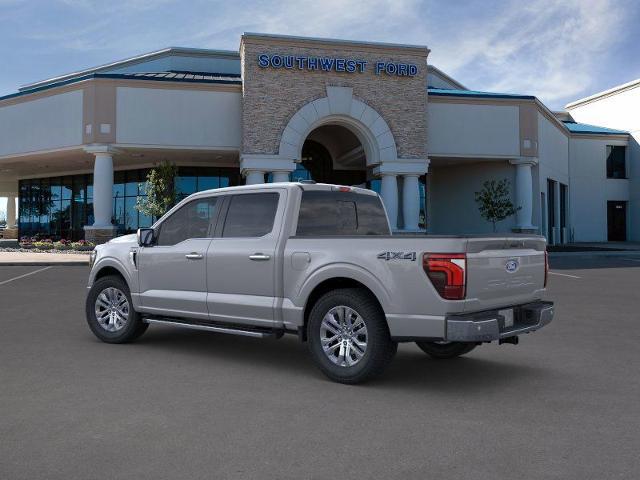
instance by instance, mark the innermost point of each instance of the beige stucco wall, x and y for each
(178, 117)
(45, 123)
(272, 96)
(473, 129)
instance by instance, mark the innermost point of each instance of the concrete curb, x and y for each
(44, 264)
(617, 253)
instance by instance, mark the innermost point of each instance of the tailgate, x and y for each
(504, 271)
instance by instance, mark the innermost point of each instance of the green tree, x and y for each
(494, 201)
(160, 190)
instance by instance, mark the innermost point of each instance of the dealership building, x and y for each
(75, 150)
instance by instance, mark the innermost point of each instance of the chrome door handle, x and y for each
(259, 257)
(194, 256)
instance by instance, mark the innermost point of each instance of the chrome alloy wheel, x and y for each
(343, 335)
(112, 309)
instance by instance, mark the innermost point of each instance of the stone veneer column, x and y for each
(102, 229)
(524, 194)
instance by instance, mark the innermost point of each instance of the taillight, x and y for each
(447, 272)
(546, 268)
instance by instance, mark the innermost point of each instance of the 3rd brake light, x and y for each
(447, 272)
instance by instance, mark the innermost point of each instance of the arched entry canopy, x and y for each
(340, 108)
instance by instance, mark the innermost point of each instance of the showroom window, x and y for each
(59, 207)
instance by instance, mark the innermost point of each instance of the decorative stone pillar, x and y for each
(280, 176)
(524, 194)
(389, 194)
(102, 229)
(254, 177)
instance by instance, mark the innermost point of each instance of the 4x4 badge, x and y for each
(397, 256)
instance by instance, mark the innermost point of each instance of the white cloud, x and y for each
(547, 48)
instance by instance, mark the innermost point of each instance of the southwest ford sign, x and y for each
(333, 64)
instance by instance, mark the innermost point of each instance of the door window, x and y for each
(190, 221)
(251, 215)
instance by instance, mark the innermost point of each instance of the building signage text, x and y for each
(333, 64)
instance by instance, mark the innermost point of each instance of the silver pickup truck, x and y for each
(318, 261)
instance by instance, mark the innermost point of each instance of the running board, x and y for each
(212, 328)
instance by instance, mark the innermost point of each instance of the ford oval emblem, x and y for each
(511, 266)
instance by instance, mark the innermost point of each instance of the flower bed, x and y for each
(37, 244)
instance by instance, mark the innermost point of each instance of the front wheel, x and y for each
(110, 313)
(444, 350)
(348, 336)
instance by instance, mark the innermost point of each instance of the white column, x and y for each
(411, 202)
(11, 212)
(389, 194)
(280, 176)
(524, 193)
(103, 189)
(254, 177)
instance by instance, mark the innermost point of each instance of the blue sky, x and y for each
(557, 50)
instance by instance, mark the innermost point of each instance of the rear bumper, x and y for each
(490, 325)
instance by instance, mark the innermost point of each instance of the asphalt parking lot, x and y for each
(177, 404)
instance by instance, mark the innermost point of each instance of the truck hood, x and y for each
(131, 238)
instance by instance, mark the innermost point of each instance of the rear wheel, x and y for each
(444, 350)
(110, 313)
(348, 336)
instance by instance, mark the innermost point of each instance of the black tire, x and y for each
(380, 349)
(134, 326)
(442, 351)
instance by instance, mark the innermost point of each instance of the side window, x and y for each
(190, 221)
(616, 167)
(340, 213)
(251, 215)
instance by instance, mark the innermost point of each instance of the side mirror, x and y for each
(146, 237)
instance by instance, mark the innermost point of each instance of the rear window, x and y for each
(341, 213)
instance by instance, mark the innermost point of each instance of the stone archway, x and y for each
(339, 107)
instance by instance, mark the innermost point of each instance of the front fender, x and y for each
(344, 270)
(115, 263)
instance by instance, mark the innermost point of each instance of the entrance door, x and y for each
(551, 210)
(317, 160)
(617, 221)
(173, 272)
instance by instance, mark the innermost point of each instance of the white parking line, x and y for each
(564, 275)
(25, 275)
